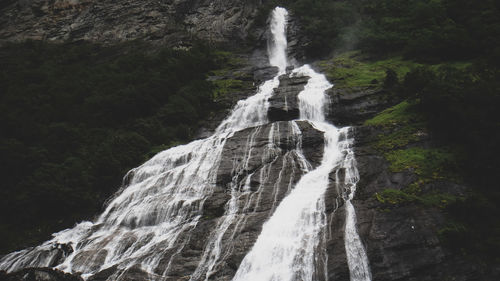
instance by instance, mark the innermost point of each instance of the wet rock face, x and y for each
(39, 274)
(258, 138)
(351, 106)
(259, 167)
(284, 104)
(402, 242)
(298, 40)
(172, 22)
(270, 177)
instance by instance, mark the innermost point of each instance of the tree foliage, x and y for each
(462, 106)
(428, 30)
(75, 117)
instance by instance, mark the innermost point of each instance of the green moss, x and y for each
(405, 124)
(399, 114)
(405, 196)
(406, 127)
(226, 86)
(228, 77)
(395, 197)
(400, 137)
(227, 58)
(351, 69)
(440, 200)
(428, 163)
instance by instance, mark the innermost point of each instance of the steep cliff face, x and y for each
(259, 165)
(172, 22)
(401, 232)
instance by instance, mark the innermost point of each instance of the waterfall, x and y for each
(149, 222)
(152, 216)
(288, 247)
(277, 45)
(357, 260)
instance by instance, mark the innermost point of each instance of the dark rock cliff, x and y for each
(402, 242)
(352, 106)
(39, 274)
(284, 105)
(261, 180)
(171, 22)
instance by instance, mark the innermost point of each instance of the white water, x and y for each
(164, 199)
(357, 260)
(151, 218)
(288, 247)
(277, 54)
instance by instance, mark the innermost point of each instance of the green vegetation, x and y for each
(353, 69)
(427, 30)
(75, 117)
(400, 114)
(442, 56)
(400, 137)
(227, 86)
(406, 127)
(427, 163)
(405, 196)
(356, 69)
(456, 105)
(462, 104)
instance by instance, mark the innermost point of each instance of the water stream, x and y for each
(149, 221)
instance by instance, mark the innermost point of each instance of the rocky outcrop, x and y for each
(39, 274)
(284, 104)
(174, 23)
(401, 241)
(351, 106)
(297, 41)
(259, 166)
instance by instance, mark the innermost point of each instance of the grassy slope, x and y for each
(355, 69)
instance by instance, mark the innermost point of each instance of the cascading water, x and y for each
(287, 248)
(163, 200)
(356, 256)
(151, 219)
(277, 44)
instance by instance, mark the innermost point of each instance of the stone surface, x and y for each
(271, 173)
(351, 106)
(39, 274)
(284, 104)
(402, 242)
(171, 22)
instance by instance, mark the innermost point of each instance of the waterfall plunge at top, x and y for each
(150, 222)
(277, 45)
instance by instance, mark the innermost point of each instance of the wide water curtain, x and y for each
(150, 223)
